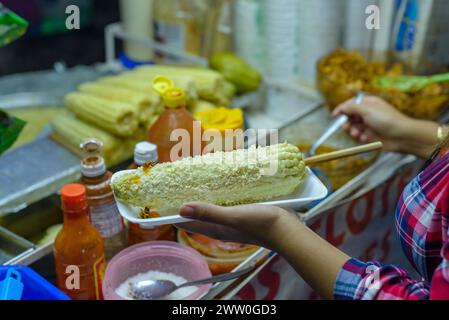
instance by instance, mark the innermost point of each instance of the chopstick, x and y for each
(343, 153)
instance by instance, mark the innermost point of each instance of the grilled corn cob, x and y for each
(116, 117)
(224, 178)
(145, 103)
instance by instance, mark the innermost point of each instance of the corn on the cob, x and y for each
(143, 83)
(201, 105)
(115, 117)
(131, 84)
(145, 103)
(184, 82)
(224, 178)
(208, 82)
(70, 132)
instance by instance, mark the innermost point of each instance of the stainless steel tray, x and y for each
(33, 172)
(13, 247)
(39, 168)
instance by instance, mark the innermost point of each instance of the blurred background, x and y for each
(48, 40)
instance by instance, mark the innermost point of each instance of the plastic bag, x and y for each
(11, 26)
(10, 128)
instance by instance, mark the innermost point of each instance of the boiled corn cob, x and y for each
(130, 84)
(201, 105)
(115, 117)
(145, 103)
(208, 82)
(70, 132)
(224, 178)
(143, 83)
(181, 81)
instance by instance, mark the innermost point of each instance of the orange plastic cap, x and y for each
(73, 197)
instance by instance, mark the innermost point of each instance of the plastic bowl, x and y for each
(164, 256)
(226, 262)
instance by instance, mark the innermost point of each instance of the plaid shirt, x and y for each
(422, 221)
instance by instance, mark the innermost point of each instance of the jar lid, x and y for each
(93, 166)
(145, 152)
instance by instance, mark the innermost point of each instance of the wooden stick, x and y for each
(343, 153)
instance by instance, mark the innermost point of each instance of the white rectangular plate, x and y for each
(309, 190)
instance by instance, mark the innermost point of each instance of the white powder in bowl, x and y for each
(181, 293)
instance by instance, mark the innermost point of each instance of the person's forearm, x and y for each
(315, 260)
(418, 137)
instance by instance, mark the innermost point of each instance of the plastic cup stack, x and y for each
(280, 28)
(319, 33)
(248, 34)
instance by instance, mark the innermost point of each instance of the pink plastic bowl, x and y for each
(165, 256)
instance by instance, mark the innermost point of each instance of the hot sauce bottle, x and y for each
(78, 248)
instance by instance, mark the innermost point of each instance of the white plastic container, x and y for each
(309, 190)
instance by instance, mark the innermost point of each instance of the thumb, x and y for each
(349, 108)
(207, 212)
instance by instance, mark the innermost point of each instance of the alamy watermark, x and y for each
(372, 21)
(72, 22)
(72, 281)
(373, 283)
(200, 141)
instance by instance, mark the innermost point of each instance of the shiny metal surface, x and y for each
(12, 247)
(38, 169)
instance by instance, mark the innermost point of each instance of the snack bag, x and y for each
(10, 128)
(11, 26)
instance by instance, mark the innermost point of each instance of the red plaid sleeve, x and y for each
(422, 221)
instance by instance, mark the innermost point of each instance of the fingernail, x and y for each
(363, 138)
(187, 211)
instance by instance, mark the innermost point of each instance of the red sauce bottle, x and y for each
(78, 248)
(103, 211)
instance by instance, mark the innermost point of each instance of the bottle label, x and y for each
(106, 219)
(98, 269)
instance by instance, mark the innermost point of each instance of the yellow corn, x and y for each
(224, 178)
(208, 82)
(115, 117)
(145, 103)
(70, 132)
(128, 83)
(201, 105)
(184, 82)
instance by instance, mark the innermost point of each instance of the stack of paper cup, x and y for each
(248, 34)
(319, 33)
(280, 29)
